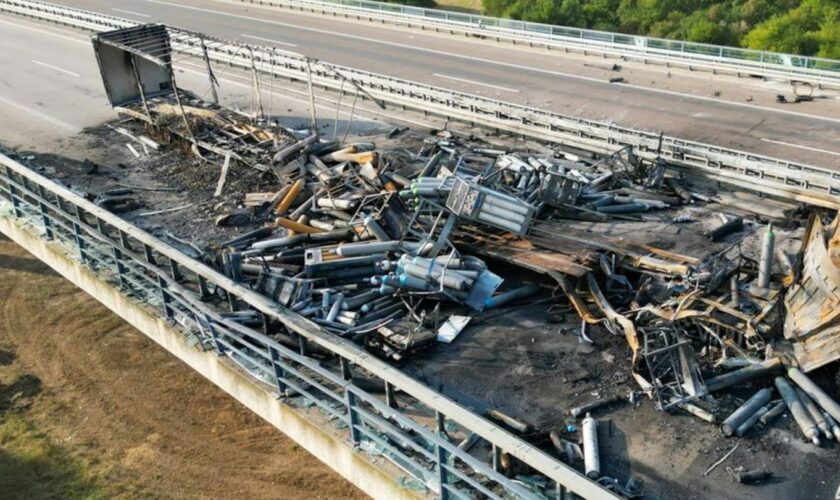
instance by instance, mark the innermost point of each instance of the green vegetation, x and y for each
(469, 6)
(418, 3)
(806, 27)
(32, 466)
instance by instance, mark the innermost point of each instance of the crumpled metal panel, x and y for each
(813, 304)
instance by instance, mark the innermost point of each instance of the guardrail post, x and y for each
(203, 291)
(390, 395)
(441, 454)
(167, 309)
(278, 370)
(266, 321)
(176, 272)
(561, 492)
(440, 423)
(8, 181)
(45, 217)
(352, 416)
(302, 345)
(77, 234)
(231, 301)
(100, 226)
(220, 349)
(124, 241)
(15, 201)
(147, 251)
(120, 268)
(497, 458)
(442, 457)
(345, 369)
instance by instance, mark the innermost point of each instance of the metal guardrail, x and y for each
(792, 180)
(717, 57)
(147, 268)
(190, 294)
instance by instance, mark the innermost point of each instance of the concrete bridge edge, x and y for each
(334, 451)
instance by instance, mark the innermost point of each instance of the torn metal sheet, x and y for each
(813, 304)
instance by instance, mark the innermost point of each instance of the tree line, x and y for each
(805, 27)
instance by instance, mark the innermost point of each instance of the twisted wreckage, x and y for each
(398, 249)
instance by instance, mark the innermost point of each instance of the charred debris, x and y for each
(399, 248)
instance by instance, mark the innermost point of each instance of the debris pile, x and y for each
(393, 248)
(397, 249)
(726, 303)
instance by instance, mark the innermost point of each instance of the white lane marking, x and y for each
(56, 68)
(38, 114)
(473, 82)
(83, 41)
(809, 148)
(500, 63)
(268, 40)
(131, 12)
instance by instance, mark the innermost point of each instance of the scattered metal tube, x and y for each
(733, 225)
(375, 229)
(448, 279)
(739, 416)
(734, 291)
(513, 423)
(784, 261)
(298, 228)
(811, 389)
(800, 414)
(628, 208)
(695, 410)
(751, 421)
(502, 213)
(366, 248)
(835, 428)
(290, 197)
(359, 300)
(603, 201)
(765, 264)
(744, 374)
(516, 208)
(773, 413)
(510, 296)
(816, 413)
(336, 307)
(750, 476)
(591, 454)
(498, 221)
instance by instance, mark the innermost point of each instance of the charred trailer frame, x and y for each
(135, 63)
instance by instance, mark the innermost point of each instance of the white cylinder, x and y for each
(765, 265)
(591, 456)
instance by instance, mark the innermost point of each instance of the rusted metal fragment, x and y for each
(575, 299)
(656, 264)
(627, 327)
(523, 253)
(676, 257)
(813, 304)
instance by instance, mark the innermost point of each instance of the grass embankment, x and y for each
(32, 464)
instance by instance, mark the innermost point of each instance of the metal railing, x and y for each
(192, 295)
(732, 59)
(772, 176)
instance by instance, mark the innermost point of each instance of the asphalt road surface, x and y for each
(51, 89)
(727, 111)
